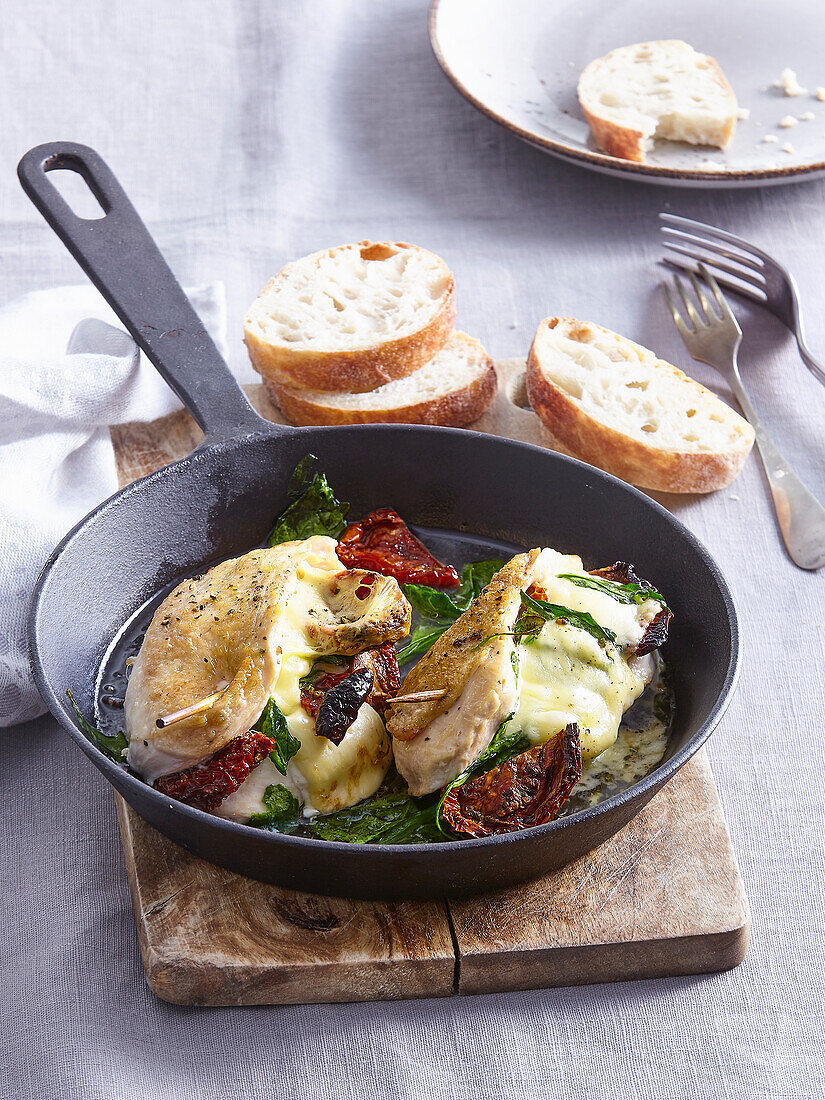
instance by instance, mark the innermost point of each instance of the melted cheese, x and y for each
(323, 776)
(566, 675)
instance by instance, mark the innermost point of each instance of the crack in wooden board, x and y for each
(662, 897)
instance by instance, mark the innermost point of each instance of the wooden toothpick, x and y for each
(187, 712)
(418, 696)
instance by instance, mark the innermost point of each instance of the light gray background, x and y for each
(249, 133)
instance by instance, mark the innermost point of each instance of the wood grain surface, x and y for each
(662, 897)
(211, 937)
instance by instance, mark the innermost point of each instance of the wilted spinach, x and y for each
(395, 818)
(112, 744)
(273, 724)
(313, 508)
(437, 609)
(623, 593)
(281, 807)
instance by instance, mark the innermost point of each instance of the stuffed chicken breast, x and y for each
(546, 647)
(230, 650)
(267, 691)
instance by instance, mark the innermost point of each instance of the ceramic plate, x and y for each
(519, 61)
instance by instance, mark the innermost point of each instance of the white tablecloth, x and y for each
(252, 132)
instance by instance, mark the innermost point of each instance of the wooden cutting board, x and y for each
(662, 897)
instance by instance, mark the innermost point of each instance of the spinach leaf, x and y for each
(438, 610)
(395, 818)
(313, 508)
(421, 639)
(623, 593)
(505, 744)
(535, 613)
(281, 806)
(111, 744)
(583, 620)
(478, 574)
(273, 724)
(435, 603)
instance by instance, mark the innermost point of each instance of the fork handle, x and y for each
(811, 363)
(801, 517)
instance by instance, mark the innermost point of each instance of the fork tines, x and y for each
(711, 315)
(696, 243)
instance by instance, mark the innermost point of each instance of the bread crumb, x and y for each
(743, 113)
(789, 84)
(787, 148)
(820, 94)
(788, 121)
(770, 137)
(733, 496)
(809, 116)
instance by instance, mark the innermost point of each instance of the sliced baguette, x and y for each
(351, 318)
(656, 90)
(454, 388)
(615, 405)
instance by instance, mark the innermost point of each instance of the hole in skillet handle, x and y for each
(77, 192)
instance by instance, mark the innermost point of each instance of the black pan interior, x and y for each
(221, 501)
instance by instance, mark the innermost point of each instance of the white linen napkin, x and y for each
(57, 403)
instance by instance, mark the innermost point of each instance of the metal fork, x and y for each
(715, 340)
(761, 278)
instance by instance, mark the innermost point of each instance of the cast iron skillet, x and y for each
(220, 501)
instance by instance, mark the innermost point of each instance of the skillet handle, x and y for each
(118, 254)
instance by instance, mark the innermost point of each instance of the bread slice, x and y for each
(454, 388)
(656, 90)
(615, 405)
(351, 318)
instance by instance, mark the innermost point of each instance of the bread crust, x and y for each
(618, 453)
(354, 370)
(454, 409)
(724, 83)
(628, 144)
(616, 141)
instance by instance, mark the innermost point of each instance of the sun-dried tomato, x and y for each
(341, 704)
(386, 679)
(657, 629)
(383, 542)
(206, 785)
(655, 633)
(529, 789)
(312, 694)
(383, 660)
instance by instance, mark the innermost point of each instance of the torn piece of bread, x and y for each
(454, 388)
(656, 90)
(351, 318)
(615, 405)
